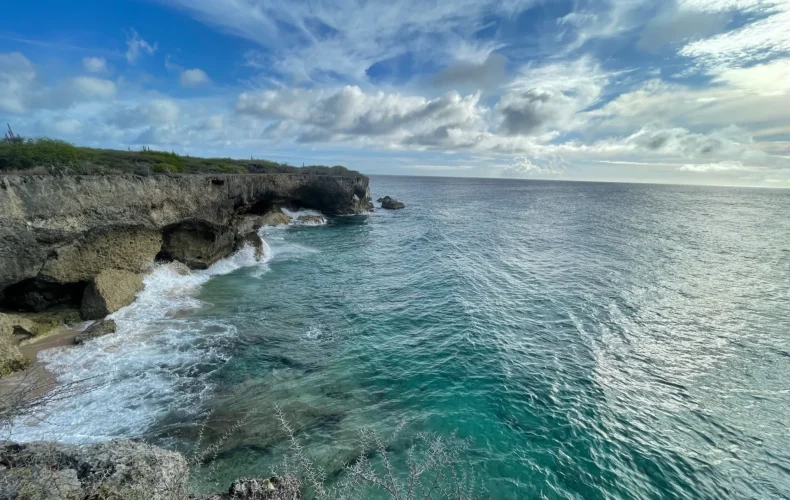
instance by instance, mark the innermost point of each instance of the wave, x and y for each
(159, 360)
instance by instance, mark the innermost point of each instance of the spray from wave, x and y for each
(159, 361)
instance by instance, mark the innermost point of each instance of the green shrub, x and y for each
(32, 153)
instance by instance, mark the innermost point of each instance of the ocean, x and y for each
(587, 340)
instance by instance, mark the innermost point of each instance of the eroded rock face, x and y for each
(98, 329)
(109, 291)
(112, 470)
(197, 243)
(66, 230)
(128, 248)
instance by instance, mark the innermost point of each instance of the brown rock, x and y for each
(198, 243)
(311, 220)
(111, 290)
(98, 329)
(274, 219)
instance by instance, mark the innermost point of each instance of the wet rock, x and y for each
(311, 220)
(391, 203)
(112, 470)
(253, 239)
(197, 243)
(111, 290)
(98, 329)
(274, 219)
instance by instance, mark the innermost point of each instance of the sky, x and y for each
(676, 91)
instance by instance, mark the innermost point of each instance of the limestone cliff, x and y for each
(58, 233)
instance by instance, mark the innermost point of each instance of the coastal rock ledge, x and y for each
(58, 234)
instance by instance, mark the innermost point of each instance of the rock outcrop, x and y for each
(98, 329)
(16, 329)
(109, 291)
(57, 233)
(311, 220)
(275, 219)
(389, 203)
(197, 243)
(112, 470)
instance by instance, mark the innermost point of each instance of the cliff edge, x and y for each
(58, 233)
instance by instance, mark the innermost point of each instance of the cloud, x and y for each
(193, 78)
(20, 90)
(155, 113)
(137, 47)
(549, 97)
(349, 113)
(475, 75)
(336, 40)
(724, 166)
(17, 75)
(535, 167)
(763, 37)
(94, 65)
(675, 25)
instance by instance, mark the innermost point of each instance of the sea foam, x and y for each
(159, 361)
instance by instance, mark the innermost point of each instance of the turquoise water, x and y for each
(591, 340)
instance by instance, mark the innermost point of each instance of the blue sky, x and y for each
(685, 91)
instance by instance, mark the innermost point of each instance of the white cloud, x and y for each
(17, 75)
(94, 65)
(155, 113)
(194, 78)
(317, 40)
(724, 166)
(756, 41)
(136, 47)
(535, 167)
(549, 97)
(349, 113)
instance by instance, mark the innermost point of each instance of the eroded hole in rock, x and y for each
(38, 296)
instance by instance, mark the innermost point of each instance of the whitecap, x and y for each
(159, 360)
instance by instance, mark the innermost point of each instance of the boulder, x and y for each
(98, 329)
(38, 483)
(111, 290)
(198, 243)
(274, 219)
(11, 358)
(111, 470)
(391, 203)
(311, 220)
(253, 239)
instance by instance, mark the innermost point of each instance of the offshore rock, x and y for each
(275, 219)
(391, 203)
(67, 229)
(111, 290)
(99, 329)
(112, 470)
(311, 220)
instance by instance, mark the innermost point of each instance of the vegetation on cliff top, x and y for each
(19, 155)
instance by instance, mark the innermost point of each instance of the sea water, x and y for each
(589, 340)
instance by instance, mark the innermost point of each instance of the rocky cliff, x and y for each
(59, 233)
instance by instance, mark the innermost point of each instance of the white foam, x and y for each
(158, 361)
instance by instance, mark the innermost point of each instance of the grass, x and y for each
(53, 156)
